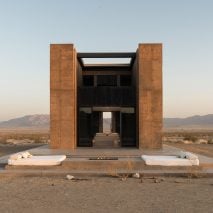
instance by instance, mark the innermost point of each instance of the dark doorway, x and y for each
(84, 129)
(128, 129)
(97, 124)
(116, 122)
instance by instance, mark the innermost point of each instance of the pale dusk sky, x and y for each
(29, 26)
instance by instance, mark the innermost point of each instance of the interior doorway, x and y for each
(107, 122)
(106, 138)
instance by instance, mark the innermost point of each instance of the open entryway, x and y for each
(107, 122)
(108, 138)
(106, 127)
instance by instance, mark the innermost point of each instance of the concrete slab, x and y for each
(93, 152)
(129, 161)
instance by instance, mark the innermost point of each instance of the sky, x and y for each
(28, 27)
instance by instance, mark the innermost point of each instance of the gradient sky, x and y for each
(185, 28)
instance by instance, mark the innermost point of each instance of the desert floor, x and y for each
(105, 194)
(6, 149)
(203, 149)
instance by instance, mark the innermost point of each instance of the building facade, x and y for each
(81, 91)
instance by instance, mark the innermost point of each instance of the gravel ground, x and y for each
(106, 194)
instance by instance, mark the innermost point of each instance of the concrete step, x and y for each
(105, 139)
(102, 135)
(102, 173)
(127, 164)
(108, 166)
(102, 140)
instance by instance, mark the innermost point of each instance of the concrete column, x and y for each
(63, 96)
(150, 95)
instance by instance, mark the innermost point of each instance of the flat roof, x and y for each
(106, 55)
(108, 66)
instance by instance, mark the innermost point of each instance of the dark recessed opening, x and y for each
(125, 80)
(107, 80)
(88, 80)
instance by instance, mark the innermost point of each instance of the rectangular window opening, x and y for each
(125, 80)
(88, 80)
(107, 80)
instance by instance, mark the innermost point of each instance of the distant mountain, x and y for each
(34, 121)
(43, 120)
(196, 121)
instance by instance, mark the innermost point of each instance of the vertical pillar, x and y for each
(113, 122)
(101, 128)
(63, 96)
(150, 95)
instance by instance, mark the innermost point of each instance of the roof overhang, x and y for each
(106, 66)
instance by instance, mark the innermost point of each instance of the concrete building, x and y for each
(80, 92)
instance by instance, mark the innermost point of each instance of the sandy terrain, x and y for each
(105, 195)
(24, 130)
(17, 140)
(203, 149)
(6, 149)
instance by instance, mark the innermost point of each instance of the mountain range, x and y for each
(197, 121)
(43, 120)
(33, 121)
